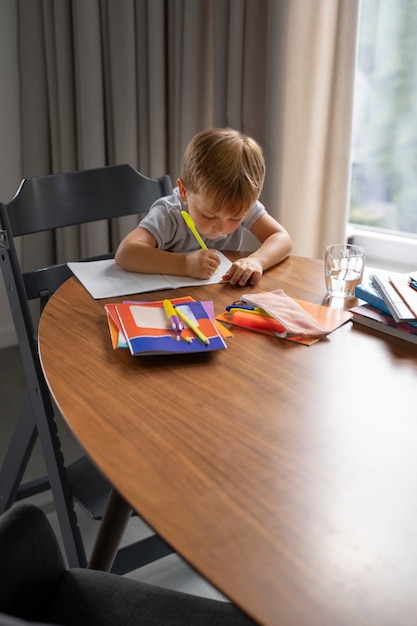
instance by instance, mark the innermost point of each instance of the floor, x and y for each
(171, 571)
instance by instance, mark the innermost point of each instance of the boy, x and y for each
(222, 178)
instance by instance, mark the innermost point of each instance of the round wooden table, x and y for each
(285, 474)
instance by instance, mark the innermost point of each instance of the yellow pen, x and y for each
(175, 322)
(190, 223)
(192, 326)
(247, 309)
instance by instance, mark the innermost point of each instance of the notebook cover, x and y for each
(147, 330)
(368, 294)
(116, 331)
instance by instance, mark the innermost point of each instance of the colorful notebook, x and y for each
(366, 292)
(116, 331)
(147, 331)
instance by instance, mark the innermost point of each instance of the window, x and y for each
(383, 203)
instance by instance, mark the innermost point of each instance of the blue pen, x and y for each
(412, 283)
(244, 307)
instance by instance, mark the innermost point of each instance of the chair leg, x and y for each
(40, 418)
(14, 466)
(64, 504)
(17, 457)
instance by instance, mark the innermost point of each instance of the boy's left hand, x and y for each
(244, 271)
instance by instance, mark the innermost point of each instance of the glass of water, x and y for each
(343, 269)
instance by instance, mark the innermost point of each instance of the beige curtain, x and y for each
(87, 83)
(314, 125)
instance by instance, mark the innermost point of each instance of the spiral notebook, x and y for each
(401, 283)
(398, 308)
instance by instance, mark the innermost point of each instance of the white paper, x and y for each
(105, 279)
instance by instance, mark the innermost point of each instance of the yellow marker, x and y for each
(192, 326)
(175, 322)
(169, 307)
(189, 221)
(253, 311)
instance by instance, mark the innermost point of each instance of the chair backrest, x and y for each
(59, 200)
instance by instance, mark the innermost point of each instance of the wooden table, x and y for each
(285, 474)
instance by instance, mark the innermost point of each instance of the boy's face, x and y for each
(210, 220)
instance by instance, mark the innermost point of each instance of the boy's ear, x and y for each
(182, 189)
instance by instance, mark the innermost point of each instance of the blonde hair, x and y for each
(226, 166)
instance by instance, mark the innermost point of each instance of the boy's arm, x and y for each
(137, 252)
(275, 241)
(275, 246)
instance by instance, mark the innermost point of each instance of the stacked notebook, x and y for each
(145, 328)
(391, 304)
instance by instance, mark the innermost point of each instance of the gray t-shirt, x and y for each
(165, 222)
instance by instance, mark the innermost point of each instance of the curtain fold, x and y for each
(104, 82)
(316, 114)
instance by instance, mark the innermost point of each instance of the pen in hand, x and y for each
(190, 223)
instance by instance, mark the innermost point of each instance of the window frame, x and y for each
(385, 250)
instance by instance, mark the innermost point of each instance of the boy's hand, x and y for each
(244, 271)
(201, 263)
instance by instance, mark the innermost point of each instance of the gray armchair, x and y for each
(36, 586)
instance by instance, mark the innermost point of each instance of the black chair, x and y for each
(36, 586)
(47, 203)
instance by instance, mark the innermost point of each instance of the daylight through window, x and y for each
(384, 144)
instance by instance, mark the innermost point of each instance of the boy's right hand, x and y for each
(201, 263)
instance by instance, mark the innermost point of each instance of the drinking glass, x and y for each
(343, 269)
